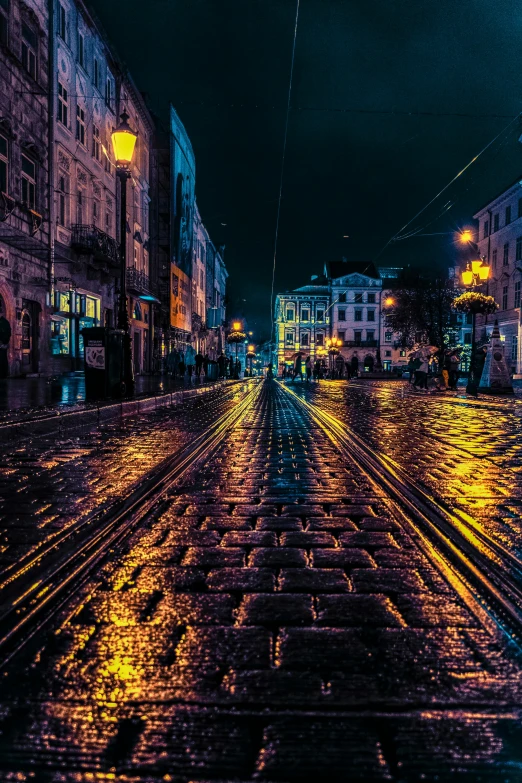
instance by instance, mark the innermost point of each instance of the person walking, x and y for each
(339, 365)
(298, 367)
(190, 360)
(221, 365)
(199, 359)
(421, 374)
(308, 368)
(181, 365)
(454, 373)
(5, 336)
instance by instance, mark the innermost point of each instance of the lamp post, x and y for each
(251, 355)
(236, 336)
(123, 142)
(333, 344)
(474, 276)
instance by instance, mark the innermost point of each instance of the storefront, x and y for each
(73, 311)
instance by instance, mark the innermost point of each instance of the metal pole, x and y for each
(472, 385)
(123, 314)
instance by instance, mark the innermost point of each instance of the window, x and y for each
(469, 319)
(319, 340)
(508, 215)
(28, 182)
(370, 335)
(62, 22)
(517, 294)
(486, 228)
(29, 49)
(79, 207)
(505, 297)
(320, 315)
(80, 124)
(96, 73)
(495, 222)
(358, 298)
(305, 338)
(4, 165)
(387, 353)
(371, 298)
(342, 314)
(95, 211)
(108, 221)
(62, 199)
(505, 260)
(371, 315)
(341, 336)
(357, 336)
(514, 348)
(81, 50)
(289, 338)
(494, 257)
(467, 338)
(63, 105)
(342, 297)
(96, 143)
(305, 315)
(387, 337)
(290, 314)
(108, 93)
(518, 252)
(402, 353)
(4, 20)
(357, 315)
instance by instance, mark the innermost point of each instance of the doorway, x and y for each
(136, 353)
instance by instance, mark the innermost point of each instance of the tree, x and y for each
(422, 311)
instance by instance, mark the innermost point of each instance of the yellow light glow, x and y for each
(250, 347)
(475, 266)
(467, 277)
(466, 236)
(484, 272)
(123, 142)
(389, 301)
(236, 325)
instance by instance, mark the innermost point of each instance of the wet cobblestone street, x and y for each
(277, 615)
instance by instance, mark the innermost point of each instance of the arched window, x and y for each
(137, 312)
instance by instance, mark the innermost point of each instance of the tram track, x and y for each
(479, 561)
(34, 590)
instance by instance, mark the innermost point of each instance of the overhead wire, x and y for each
(281, 178)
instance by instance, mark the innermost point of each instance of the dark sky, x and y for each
(364, 171)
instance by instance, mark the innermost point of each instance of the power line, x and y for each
(290, 81)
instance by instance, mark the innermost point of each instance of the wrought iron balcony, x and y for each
(137, 281)
(90, 239)
(360, 343)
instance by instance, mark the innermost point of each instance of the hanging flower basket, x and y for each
(236, 337)
(473, 302)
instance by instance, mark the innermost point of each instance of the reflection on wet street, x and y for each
(276, 615)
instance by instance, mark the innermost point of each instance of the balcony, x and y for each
(360, 343)
(89, 239)
(137, 281)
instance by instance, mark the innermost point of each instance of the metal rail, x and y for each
(30, 609)
(475, 558)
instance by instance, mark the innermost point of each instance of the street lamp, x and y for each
(236, 336)
(123, 143)
(333, 344)
(473, 277)
(251, 355)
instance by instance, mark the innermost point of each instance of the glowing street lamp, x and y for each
(124, 143)
(474, 276)
(466, 236)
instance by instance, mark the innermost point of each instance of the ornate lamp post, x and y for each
(474, 302)
(333, 344)
(251, 355)
(124, 142)
(236, 336)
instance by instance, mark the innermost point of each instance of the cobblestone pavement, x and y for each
(466, 452)
(274, 620)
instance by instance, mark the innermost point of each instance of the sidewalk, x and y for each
(19, 396)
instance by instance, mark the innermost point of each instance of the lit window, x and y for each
(29, 49)
(289, 338)
(341, 336)
(28, 182)
(63, 105)
(80, 124)
(387, 337)
(4, 165)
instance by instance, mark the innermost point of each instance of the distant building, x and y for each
(302, 321)
(500, 241)
(25, 245)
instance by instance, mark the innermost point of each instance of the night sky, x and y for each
(363, 171)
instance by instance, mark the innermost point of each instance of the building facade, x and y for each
(25, 242)
(500, 242)
(302, 321)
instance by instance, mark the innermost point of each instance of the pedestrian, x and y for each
(222, 365)
(237, 369)
(317, 370)
(298, 367)
(181, 365)
(5, 336)
(308, 368)
(446, 369)
(354, 364)
(199, 358)
(421, 374)
(190, 360)
(454, 371)
(283, 375)
(230, 367)
(206, 362)
(339, 365)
